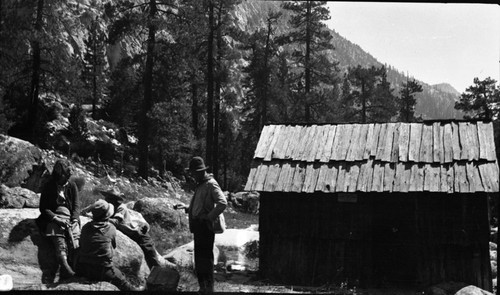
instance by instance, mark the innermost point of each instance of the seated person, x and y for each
(97, 242)
(132, 225)
(59, 208)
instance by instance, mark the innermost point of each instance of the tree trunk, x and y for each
(307, 63)
(94, 74)
(210, 85)
(194, 107)
(266, 78)
(148, 93)
(35, 75)
(363, 102)
(218, 86)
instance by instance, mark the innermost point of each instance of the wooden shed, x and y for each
(400, 204)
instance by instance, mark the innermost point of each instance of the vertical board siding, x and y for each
(369, 141)
(352, 150)
(455, 141)
(404, 141)
(387, 149)
(464, 140)
(426, 145)
(415, 141)
(282, 143)
(270, 150)
(327, 151)
(448, 143)
(322, 143)
(264, 136)
(437, 142)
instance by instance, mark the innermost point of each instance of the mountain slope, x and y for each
(435, 102)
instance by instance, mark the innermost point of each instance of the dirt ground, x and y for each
(248, 282)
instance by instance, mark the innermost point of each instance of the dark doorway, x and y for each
(394, 244)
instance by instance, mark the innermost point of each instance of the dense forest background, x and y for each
(169, 79)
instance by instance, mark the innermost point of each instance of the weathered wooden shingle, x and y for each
(444, 157)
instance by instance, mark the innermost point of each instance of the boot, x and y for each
(65, 270)
(126, 286)
(209, 284)
(202, 284)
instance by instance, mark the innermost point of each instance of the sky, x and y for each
(432, 42)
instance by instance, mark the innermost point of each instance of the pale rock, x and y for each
(6, 283)
(18, 197)
(472, 290)
(30, 259)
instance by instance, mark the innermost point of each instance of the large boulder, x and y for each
(183, 256)
(161, 212)
(472, 290)
(30, 258)
(73, 284)
(163, 279)
(18, 197)
(445, 288)
(246, 202)
(17, 158)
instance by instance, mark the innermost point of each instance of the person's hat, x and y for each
(113, 195)
(197, 164)
(102, 210)
(61, 169)
(63, 211)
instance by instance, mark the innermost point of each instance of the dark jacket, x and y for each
(48, 204)
(97, 241)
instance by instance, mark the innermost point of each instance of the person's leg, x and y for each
(147, 246)
(115, 276)
(62, 257)
(204, 256)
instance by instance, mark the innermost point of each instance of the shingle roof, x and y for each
(389, 157)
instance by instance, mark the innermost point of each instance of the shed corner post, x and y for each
(498, 235)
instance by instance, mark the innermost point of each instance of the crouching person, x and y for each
(133, 226)
(97, 243)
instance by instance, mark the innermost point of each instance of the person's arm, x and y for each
(45, 202)
(75, 201)
(85, 211)
(180, 206)
(219, 200)
(112, 233)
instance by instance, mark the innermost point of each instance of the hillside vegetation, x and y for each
(145, 74)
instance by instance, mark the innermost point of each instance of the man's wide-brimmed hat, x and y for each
(102, 210)
(197, 164)
(113, 195)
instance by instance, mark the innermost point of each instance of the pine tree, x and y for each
(367, 95)
(408, 101)
(480, 100)
(311, 39)
(41, 51)
(95, 61)
(384, 106)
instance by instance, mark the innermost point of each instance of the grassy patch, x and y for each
(166, 240)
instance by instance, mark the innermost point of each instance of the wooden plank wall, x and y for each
(370, 240)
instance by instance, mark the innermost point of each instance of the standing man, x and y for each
(207, 203)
